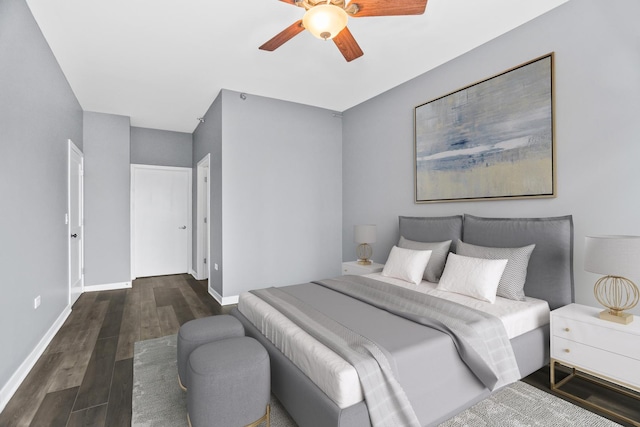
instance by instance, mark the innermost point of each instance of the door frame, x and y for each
(203, 206)
(134, 167)
(73, 148)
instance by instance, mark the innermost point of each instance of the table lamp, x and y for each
(617, 257)
(363, 235)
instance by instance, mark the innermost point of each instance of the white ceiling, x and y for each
(162, 62)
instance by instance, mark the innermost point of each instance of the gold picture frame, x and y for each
(491, 140)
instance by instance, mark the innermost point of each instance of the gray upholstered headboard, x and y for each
(550, 271)
(432, 229)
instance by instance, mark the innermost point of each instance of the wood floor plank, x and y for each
(129, 332)
(119, 409)
(111, 324)
(91, 417)
(182, 309)
(198, 308)
(96, 383)
(26, 400)
(65, 337)
(200, 288)
(165, 296)
(149, 321)
(71, 371)
(55, 409)
(168, 321)
(117, 300)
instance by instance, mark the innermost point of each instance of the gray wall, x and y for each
(281, 192)
(276, 196)
(161, 147)
(597, 63)
(38, 113)
(207, 139)
(107, 244)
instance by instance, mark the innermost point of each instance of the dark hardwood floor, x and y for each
(85, 376)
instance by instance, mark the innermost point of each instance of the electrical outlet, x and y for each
(36, 302)
(215, 266)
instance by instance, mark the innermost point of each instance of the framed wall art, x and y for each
(491, 140)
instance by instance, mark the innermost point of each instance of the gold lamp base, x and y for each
(623, 318)
(617, 294)
(364, 252)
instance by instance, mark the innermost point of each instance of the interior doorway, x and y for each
(160, 220)
(203, 213)
(75, 221)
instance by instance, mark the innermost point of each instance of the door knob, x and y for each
(184, 227)
(74, 235)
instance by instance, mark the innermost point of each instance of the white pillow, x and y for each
(474, 277)
(406, 264)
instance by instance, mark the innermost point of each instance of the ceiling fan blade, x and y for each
(284, 36)
(347, 45)
(388, 7)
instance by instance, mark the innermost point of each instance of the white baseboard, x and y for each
(224, 300)
(107, 287)
(194, 274)
(8, 390)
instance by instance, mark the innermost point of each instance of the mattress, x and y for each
(337, 378)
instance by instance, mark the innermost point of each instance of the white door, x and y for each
(161, 220)
(74, 220)
(202, 253)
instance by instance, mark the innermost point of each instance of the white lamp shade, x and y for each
(613, 256)
(325, 21)
(364, 233)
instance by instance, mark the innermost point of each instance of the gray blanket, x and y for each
(386, 401)
(430, 371)
(480, 338)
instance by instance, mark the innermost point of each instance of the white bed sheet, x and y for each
(337, 378)
(518, 317)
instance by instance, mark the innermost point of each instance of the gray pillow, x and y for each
(439, 252)
(515, 273)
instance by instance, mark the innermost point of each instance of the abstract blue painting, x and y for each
(490, 140)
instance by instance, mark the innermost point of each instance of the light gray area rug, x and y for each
(158, 401)
(520, 404)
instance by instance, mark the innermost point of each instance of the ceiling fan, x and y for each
(327, 20)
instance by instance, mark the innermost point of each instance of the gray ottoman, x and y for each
(229, 384)
(196, 332)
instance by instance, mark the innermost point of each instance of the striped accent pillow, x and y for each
(511, 284)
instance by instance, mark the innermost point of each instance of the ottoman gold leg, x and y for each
(266, 416)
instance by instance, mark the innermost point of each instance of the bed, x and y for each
(437, 381)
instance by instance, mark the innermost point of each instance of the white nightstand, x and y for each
(352, 267)
(604, 350)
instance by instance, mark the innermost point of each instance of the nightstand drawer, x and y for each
(354, 268)
(619, 368)
(597, 336)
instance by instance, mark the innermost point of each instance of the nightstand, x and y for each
(352, 267)
(604, 350)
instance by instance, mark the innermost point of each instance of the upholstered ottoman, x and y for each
(229, 384)
(196, 332)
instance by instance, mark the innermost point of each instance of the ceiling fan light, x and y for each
(325, 21)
